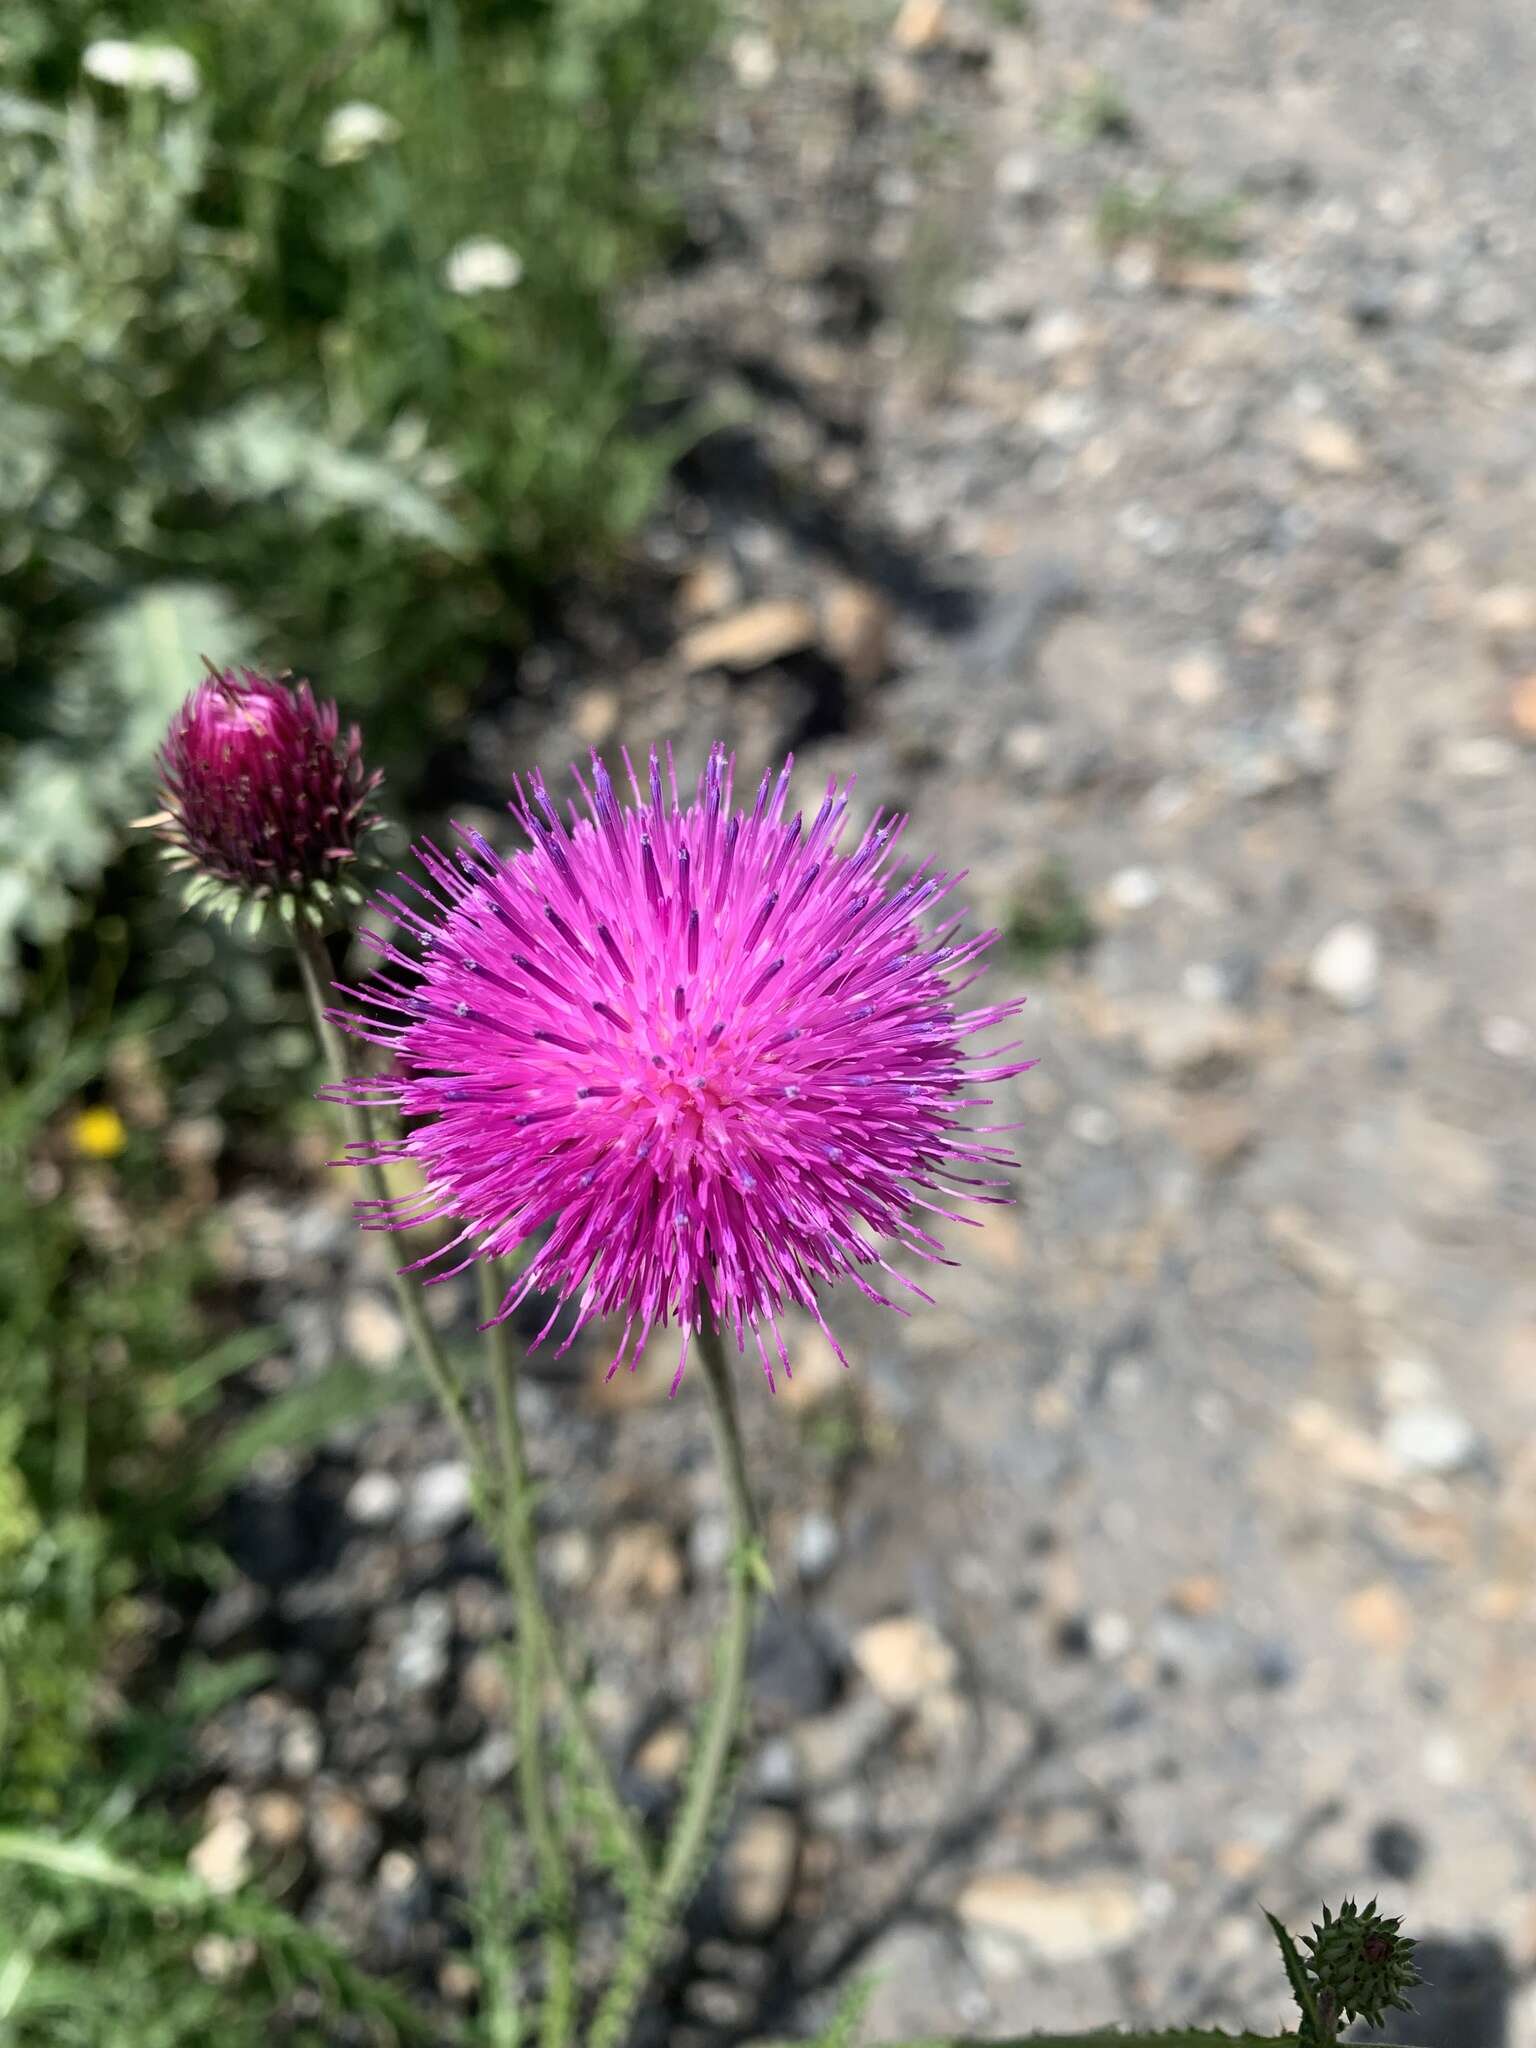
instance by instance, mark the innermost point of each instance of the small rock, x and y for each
(760, 1870)
(829, 1746)
(1190, 1041)
(342, 1833)
(1201, 1594)
(920, 1984)
(815, 1546)
(1218, 1132)
(712, 586)
(1380, 1617)
(1062, 1923)
(439, 1500)
(1132, 889)
(1522, 707)
(372, 1331)
(856, 632)
(278, 1819)
(1330, 448)
(486, 1684)
(1507, 612)
(905, 1658)
(302, 1747)
(571, 1558)
(222, 1858)
(217, 1958)
(1451, 1173)
(754, 59)
(1092, 1124)
(751, 638)
(1207, 277)
(794, 1667)
(458, 1980)
(374, 1499)
(776, 1769)
(1346, 965)
(642, 1562)
(1397, 1850)
(1480, 757)
(1430, 1437)
(663, 1756)
(492, 1763)
(1507, 1038)
(921, 25)
(1027, 747)
(419, 1658)
(1021, 177)
(709, 1544)
(595, 715)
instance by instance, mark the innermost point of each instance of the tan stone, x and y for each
(642, 1562)
(1063, 1923)
(1507, 611)
(661, 1757)
(1379, 1617)
(856, 631)
(1330, 448)
(751, 638)
(760, 1870)
(921, 25)
(712, 586)
(905, 1658)
(1522, 707)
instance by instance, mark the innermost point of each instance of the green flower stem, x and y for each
(688, 1847)
(534, 1655)
(315, 973)
(534, 1622)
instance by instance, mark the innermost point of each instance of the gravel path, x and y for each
(1137, 485)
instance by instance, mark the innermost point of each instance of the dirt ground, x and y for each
(1113, 434)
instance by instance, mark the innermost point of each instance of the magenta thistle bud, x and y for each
(265, 801)
(702, 1058)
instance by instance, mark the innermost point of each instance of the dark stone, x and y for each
(1073, 1636)
(796, 1670)
(1462, 2003)
(1397, 1850)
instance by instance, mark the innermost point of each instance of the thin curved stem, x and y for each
(315, 973)
(515, 1532)
(708, 1774)
(517, 1541)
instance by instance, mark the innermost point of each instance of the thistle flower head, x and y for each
(1363, 1961)
(264, 799)
(703, 1057)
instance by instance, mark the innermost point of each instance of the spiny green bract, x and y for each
(1363, 1960)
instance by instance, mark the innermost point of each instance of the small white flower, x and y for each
(353, 129)
(482, 264)
(144, 67)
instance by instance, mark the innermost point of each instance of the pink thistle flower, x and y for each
(264, 799)
(705, 1059)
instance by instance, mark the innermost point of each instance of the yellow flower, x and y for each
(98, 1133)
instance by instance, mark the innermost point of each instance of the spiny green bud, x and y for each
(1361, 1963)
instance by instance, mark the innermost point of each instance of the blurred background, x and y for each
(1106, 426)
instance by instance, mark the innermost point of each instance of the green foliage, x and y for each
(96, 1324)
(1177, 226)
(110, 1452)
(251, 405)
(105, 1951)
(1096, 112)
(1047, 916)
